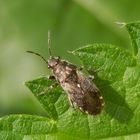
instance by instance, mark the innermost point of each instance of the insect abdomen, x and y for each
(93, 103)
(88, 99)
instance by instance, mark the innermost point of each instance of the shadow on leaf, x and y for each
(115, 104)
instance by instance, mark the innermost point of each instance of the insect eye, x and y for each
(53, 62)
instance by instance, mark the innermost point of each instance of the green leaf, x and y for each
(18, 127)
(50, 97)
(112, 62)
(134, 32)
(118, 79)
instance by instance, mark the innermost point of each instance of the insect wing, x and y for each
(93, 102)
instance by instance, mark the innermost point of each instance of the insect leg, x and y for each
(81, 68)
(93, 71)
(70, 101)
(90, 70)
(45, 91)
(51, 77)
(91, 77)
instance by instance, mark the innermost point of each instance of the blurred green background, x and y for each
(24, 25)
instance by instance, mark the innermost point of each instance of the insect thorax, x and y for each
(64, 71)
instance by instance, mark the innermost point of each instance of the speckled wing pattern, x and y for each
(83, 93)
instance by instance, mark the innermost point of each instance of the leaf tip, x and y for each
(26, 83)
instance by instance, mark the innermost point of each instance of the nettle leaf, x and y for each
(118, 78)
(112, 63)
(19, 127)
(134, 32)
(49, 97)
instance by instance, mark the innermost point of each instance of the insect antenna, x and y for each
(49, 49)
(38, 55)
(49, 43)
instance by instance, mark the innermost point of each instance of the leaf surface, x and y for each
(118, 79)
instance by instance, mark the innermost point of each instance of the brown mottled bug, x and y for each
(80, 89)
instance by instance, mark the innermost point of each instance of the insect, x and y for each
(81, 90)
